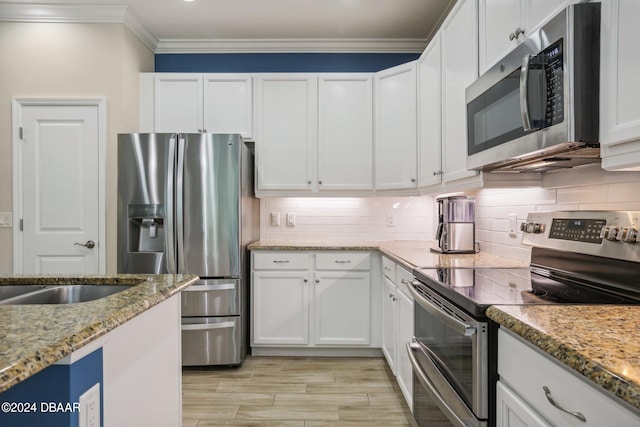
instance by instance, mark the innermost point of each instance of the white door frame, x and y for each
(16, 109)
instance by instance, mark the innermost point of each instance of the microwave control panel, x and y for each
(553, 64)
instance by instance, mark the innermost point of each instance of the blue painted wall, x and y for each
(279, 62)
(55, 385)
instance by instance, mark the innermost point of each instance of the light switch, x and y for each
(6, 219)
(291, 219)
(513, 224)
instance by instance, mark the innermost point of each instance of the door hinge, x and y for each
(20, 133)
(21, 225)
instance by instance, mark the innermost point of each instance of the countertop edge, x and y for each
(596, 374)
(29, 365)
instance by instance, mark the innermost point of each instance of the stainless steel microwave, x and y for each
(536, 110)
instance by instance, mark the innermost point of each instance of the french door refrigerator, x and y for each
(186, 205)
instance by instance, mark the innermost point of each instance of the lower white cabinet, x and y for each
(307, 299)
(530, 380)
(397, 325)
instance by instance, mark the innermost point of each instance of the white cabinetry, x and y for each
(345, 132)
(187, 102)
(315, 133)
(506, 23)
(302, 299)
(286, 132)
(429, 116)
(619, 85)
(397, 324)
(523, 395)
(396, 128)
(459, 69)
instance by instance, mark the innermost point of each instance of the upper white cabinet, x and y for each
(287, 132)
(185, 102)
(459, 69)
(429, 117)
(345, 132)
(503, 24)
(619, 85)
(315, 133)
(396, 128)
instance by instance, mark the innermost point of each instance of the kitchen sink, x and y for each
(58, 294)
(10, 291)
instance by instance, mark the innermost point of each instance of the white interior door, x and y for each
(59, 187)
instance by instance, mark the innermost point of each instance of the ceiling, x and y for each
(391, 25)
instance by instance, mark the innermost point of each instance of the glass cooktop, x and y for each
(475, 289)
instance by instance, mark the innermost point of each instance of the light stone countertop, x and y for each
(33, 337)
(599, 342)
(412, 253)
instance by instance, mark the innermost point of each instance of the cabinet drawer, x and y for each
(403, 280)
(526, 370)
(389, 268)
(280, 261)
(343, 261)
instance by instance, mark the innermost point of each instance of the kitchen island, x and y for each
(135, 332)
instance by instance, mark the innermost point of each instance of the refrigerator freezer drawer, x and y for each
(212, 341)
(213, 297)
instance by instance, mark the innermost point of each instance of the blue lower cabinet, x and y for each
(51, 397)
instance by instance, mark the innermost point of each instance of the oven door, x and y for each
(449, 355)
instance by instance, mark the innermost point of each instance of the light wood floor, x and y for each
(294, 391)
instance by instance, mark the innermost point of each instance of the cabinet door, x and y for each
(178, 103)
(512, 411)
(619, 85)
(396, 125)
(429, 116)
(280, 307)
(287, 130)
(498, 20)
(228, 104)
(389, 323)
(459, 70)
(345, 132)
(342, 303)
(404, 371)
(538, 12)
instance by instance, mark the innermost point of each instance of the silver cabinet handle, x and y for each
(342, 262)
(305, 280)
(547, 393)
(413, 180)
(90, 244)
(280, 261)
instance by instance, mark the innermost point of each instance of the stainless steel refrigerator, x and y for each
(186, 205)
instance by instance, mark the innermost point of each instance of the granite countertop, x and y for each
(33, 337)
(412, 254)
(601, 343)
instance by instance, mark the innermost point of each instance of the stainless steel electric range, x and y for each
(577, 257)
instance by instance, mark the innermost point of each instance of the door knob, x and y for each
(90, 244)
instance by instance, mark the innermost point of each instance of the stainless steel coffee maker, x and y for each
(456, 232)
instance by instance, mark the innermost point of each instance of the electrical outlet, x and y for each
(513, 224)
(275, 219)
(291, 219)
(391, 220)
(90, 407)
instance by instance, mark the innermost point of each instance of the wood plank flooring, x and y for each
(294, 392)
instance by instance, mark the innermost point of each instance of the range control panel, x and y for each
(578, 230)
(610, 234)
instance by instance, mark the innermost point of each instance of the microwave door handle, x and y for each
(524, 93)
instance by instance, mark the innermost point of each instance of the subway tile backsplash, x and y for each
(414, 218)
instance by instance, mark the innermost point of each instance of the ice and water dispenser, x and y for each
(146, 238)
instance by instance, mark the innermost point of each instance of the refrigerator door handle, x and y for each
(170, 243)
(180, 204)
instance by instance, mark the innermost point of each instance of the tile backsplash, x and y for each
(367, 218)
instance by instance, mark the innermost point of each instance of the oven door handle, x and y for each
(460, 327)
(433, 390)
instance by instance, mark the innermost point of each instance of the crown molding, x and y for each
(290, 45)
(78, 13)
